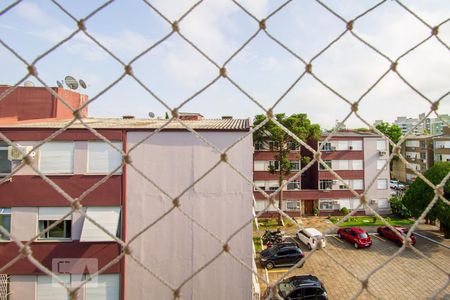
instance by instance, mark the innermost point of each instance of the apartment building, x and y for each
(418, 151)
(441, 146)
(125, 204)
(356, 156)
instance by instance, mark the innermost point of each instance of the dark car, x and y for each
(301, 287)
(355, 235)
(280, 255)
(387, 233)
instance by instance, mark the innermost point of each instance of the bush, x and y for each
(398, 208)
(345, 211)
(316, 211)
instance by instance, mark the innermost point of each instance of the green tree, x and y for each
(167, 115)
(398, 208)
(391, 130)
(299, 125)
(419, 195)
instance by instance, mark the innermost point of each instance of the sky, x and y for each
(175, 71)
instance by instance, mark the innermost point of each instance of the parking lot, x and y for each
(408, 276)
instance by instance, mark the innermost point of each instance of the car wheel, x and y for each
(269, 265)
(339, 236)
(356, 245)
(380, 233)
(309, 247)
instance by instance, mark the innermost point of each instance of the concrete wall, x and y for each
(176, 247)
(24, 222)
(371, 155)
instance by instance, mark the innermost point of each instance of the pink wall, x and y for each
(22, 287)
(176, 247)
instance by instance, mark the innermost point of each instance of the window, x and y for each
(326, 205)
(105, 288)
(56, 158)
(423, 155)
(261, 184)
(5, 163)
(381, 145)
(295, 165)
(5, 221)
(293, 185)
(355, 145)
(383, 203)
(342, 164)
(102, 158)
(49, 216)
(380, 164)
(343, 186)
(260, 205)
(292, 205)
(325, 184)
(381, 184)
(259, 146)
(327, 162)
(274, 165)
(259, 165)
(357, 164)
(342, 145)
(357, 184)
(48, 290)
(326, 146)
(293, 146)
(422, 144)
(273, 145)
(107, 217)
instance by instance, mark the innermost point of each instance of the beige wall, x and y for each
(22, 287)
(176, 247)
(371, 156)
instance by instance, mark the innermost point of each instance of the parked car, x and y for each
(300, 287)
(355, 235)
(311, 237)
(395, 184)
(387, 233)
(281, 255)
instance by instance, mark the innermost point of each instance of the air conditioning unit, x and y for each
(350, 147)
(382, 153)
(14, 154)
(373, 202)
(442, 146)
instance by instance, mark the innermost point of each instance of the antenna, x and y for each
(71, 82)
(28, 83)
(60, 85)
(82, 83)
(151, 115)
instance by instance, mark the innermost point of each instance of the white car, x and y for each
(311, 237)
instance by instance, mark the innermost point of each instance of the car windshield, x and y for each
(362, 235)
(285, 288)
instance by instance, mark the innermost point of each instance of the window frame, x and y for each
(118, 144)
(322, 168)
(325, 182)
(296, 202)
(385, 184)
(4, 147)
(66, 231)
(7, 213)
(72, 164)
(294, 162)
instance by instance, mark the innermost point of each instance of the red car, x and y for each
(387, 233)
(355, 235)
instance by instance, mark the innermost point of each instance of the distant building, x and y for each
(437, 124)
(418, 151)
(441, 145)
(407, 123)
(356, 156)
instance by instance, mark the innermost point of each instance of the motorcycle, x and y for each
(270, 238)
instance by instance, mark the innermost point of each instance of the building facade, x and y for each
(125, 204)
(441, 145)
(356, 156)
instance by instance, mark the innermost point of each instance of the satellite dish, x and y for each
(28, 83)
(82, 83)
(71, 82)
(151, 115)
(60, 85)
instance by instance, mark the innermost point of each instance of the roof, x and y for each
(313, 231)
(420, 137)
(442, 137)
(133, 124)
(351, 133)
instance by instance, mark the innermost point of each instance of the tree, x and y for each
(167, 115)
(398, 208)
(419, 195)
(298, 124)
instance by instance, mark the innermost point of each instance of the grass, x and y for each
(369, 221)
(257, 242)
(272, 223)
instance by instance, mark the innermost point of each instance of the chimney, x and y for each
(128, 117)
(190, 116)
(227, 117)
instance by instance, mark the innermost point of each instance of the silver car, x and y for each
(311, 237)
